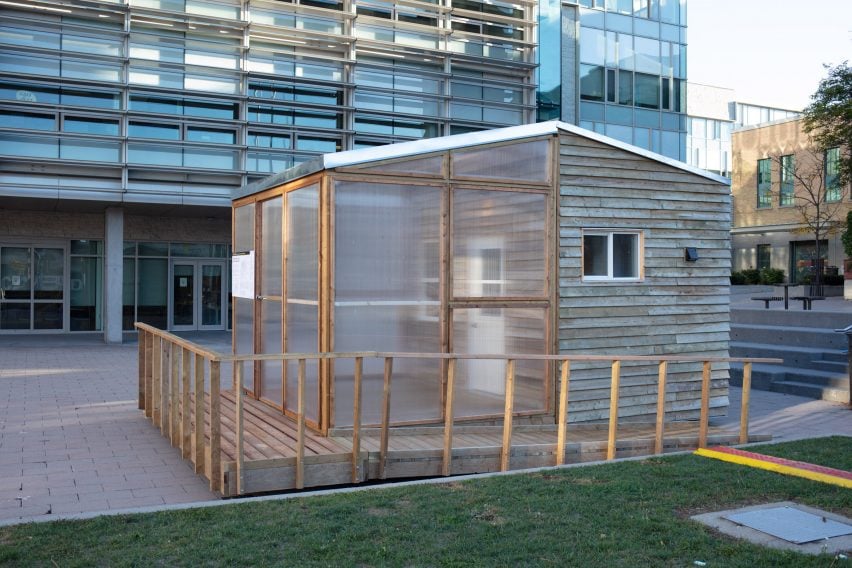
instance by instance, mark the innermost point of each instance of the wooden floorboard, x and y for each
(269, 445)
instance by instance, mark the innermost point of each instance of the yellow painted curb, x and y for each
(777, 468)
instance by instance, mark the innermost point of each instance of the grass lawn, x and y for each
(620, 514)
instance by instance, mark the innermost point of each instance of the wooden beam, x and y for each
(215, 472)
(563, 412)
(300, 428)
(705, 406)
(386, 397)
(174, 402)
(746, 397)
(156, 379)
(356, 420)
(140, 364)
(198, 431)
(149, 374)
(164, 388)
(239, 435)
(613, 409)
(661, 407)
(447, 467)
(508, 413)
(185, 432)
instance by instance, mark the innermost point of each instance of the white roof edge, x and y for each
(641, 151)
(431, 145)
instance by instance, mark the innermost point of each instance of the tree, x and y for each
(828, 119)
(818, 203)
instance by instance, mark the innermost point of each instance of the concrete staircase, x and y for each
(815, 360)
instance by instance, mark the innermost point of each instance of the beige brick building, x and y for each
(768, 228)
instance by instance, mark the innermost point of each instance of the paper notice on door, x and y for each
(183, 282)
(242, 275)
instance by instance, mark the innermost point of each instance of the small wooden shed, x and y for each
(543, 239)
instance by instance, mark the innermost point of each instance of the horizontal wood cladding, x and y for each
(678, 308)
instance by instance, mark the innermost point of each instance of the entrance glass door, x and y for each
(32, 288)
(197, 293)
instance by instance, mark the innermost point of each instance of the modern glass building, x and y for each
(126, 124)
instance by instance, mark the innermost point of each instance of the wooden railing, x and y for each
(168, 385)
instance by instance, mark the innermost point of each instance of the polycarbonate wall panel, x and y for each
(302, 309)
(499, 244)
(527, 162)
(244, 336)
(270, 246)
(387, 266)
(270, 333)
(481, 384)
(244, 228)
(428, 166)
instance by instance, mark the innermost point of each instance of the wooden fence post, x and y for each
(164, 387)
(174, 382)
(149, 374)
(613, 410)
(661, 407)
(300, 427)
(198, 431)
(746, 397)
(386, 398)
(447, 466)
(705, 405)
(215, 476)
(141, 365)
(238, 427)
(508, 414)
(186, 434)
(563, 412)
(356, 421)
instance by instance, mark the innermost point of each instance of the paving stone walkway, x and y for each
(72, 439)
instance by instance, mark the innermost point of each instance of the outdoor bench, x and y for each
(806, 300)
(767, 299)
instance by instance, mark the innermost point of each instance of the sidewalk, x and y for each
(72, 439)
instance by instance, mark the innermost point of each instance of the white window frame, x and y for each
(608, 233)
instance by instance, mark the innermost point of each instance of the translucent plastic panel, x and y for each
(244, 336)
(271, 247)
(525, 161)
(302, 228)
(244, 228)
(498, 244)
(387, 295)
(429, 166)
(415, 387)
(270, 333)
(480, 384)
(302, 337)
(302, 309)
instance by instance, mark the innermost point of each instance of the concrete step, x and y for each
(795, 316)
(793, 380)
(803, 357)
(812, 391)
(792, 336)
(830, 366)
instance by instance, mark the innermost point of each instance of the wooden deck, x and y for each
(270, 449)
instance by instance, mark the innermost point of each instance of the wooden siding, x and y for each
(679, 308)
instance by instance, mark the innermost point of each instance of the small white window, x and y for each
(612, 255)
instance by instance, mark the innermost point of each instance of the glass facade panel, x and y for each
(86, 295)
(152, 294)
(15, 273)
(499, 244)
(528, 162)
(128, 293)
(27, 120)
(788, 165)
(48, 274)
(764, 183)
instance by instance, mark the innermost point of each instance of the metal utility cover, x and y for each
(791, 524)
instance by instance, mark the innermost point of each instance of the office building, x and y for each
(125, 125)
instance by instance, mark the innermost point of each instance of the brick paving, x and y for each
(72, 439)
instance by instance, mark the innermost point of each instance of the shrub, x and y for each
(737, 278)
(752, 276)
(771, 276)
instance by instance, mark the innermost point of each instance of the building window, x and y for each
(832, 178)
(764, 183)
(610, 255)
(764, 256)
(788, 166)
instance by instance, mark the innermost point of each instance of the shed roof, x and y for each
(443, 143)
